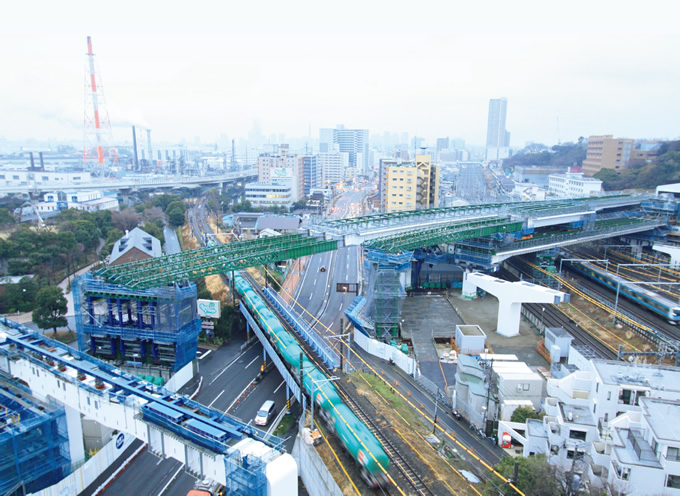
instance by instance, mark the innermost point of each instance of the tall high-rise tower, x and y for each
(497, 137)
(351, 141)
(97, 152)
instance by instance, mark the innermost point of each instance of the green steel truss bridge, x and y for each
(398, 232)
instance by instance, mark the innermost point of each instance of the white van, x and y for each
(266, 412)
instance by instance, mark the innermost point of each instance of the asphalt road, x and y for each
(171, 241)
(316, 294)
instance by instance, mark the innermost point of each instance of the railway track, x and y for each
(641, 315)
(406, 469)
(552, 317)
(409, 475)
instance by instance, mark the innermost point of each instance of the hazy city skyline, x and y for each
(199, 70)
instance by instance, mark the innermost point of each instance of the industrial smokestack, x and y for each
(42, 164)
(134, 145)
(32, 162)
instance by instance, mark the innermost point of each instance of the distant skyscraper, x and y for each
(351, 141)
(497, 137)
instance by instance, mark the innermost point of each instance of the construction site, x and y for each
(158, 326)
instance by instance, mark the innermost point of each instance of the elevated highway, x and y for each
(132, 184)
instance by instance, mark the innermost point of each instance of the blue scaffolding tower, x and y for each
(34, 447)
(158, 325)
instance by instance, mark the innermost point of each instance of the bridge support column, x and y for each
(119, 307)
(469, 291)
(109, 308)
(673, 251)
(510, 296)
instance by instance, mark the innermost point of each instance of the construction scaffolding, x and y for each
(157, 326)
(385, 289)
(34, 446)
(245, 473)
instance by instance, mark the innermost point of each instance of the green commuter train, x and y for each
(357, 439)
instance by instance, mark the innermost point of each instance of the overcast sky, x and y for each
(194, 68)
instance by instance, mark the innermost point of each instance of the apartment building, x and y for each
(573, 185)
(613, 423)
(279, 167)
(408, 186)
(607, 152)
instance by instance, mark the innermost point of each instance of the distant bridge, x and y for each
(131, 184)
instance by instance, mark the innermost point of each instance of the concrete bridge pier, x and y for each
(510, 296)
(673, 251)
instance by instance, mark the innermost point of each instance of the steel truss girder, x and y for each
(446, 234)
(217, 262)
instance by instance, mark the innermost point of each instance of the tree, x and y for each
(176, 217)
(51, 306)
(176, 205)
(125, 220)
(522, 413)
(154, 230)
(154, 214)
(535, 477)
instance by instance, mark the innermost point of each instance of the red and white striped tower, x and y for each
(97, 152)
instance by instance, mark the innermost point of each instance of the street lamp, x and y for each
(314, 383)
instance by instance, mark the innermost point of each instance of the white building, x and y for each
(269, 195)
(278, 167)
(90, 201)
(354, 142)
(333, 165)
(614, 423)
(24, 177)
(494, 389)
(573, 184)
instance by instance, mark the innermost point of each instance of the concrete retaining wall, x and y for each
(385, 351)
(86, 474)
(316, 477)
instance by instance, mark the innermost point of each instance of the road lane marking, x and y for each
(238, 397)
(282, 383)
(205, 354)
(172, 479)
(213, 401)
(226, 368)
(251, 362)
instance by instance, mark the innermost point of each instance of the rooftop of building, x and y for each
(635, 450)
(278, 223)
(139, 239)
(471, 330)
(535, 428)
(474, 383)
(652, 376)
(558, 332)
(658, 412)
(468, 361)
(577, 414)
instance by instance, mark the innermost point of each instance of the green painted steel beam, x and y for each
(213, 260)
(444, 234)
